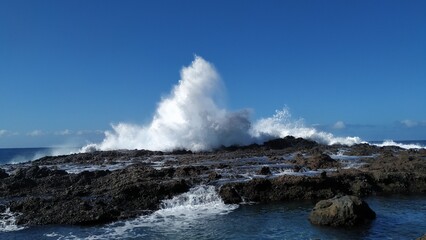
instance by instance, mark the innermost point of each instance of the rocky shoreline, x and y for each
(102, 187)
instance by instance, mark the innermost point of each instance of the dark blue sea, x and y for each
(398, 217)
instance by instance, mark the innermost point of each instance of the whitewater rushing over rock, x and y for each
(387, 143)
(8, 221)
(191, 118)
(181, 213)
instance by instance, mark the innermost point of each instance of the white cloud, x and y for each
(339, 125)
(3, 132)
(64, 132)
(86, 132)
(35, 133)
(411, 123)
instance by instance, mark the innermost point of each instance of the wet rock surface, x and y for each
(45, 196)
(341, 211)
(101, 187)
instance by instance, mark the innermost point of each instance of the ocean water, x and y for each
(398, 217)
(17, 155)
(20, 155)
(201, 214)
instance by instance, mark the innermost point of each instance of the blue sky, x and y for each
(68, 69)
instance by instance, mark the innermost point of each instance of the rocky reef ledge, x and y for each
(101, 187)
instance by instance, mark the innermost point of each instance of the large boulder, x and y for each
(341, 211)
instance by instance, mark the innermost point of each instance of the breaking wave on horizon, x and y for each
(192, 118)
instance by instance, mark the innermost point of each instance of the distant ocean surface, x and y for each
(19, 155)
(398, 217)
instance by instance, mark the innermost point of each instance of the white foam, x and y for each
(281, 125)
(78, 168)
(388, 143)
(192, 118)
(176, 214)
(8, 221)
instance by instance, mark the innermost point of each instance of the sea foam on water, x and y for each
(191, 118)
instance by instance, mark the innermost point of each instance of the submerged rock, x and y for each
(341, 211)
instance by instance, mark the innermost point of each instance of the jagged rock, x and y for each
(48, 196)
(319, 161)
(214, 176)
(341, 211)
(288, 142)
(37, 172)
(3, 173)
(88, 198)
(189, 171)
(264, 171)
(229, 195)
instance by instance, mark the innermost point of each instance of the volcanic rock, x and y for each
(289, 141)
(214, 176)
(229, 195)
(42, 194)
(87, 198)
(264, 171)
(341, 211)
(3, 173)
(319, 161)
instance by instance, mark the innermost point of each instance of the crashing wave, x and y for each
(388, 143)
(191, 118)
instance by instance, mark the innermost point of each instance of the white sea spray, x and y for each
(192, 118)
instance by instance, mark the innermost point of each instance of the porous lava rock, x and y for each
(341, 211)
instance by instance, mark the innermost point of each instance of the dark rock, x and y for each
(264, 171)
(363, 149)
(341, 211)
(214, 176)
(229, 195)
(181, 151)
(320, 161)
(3, 173)
(37, 172)
(289, 141)
(297, 168)
(48, 196)
(88, 198)
(190, 171)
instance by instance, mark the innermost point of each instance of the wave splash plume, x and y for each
(191, 118)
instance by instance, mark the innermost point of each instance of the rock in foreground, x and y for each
(341, 211)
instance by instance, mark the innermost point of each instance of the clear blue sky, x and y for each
(68, 69)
